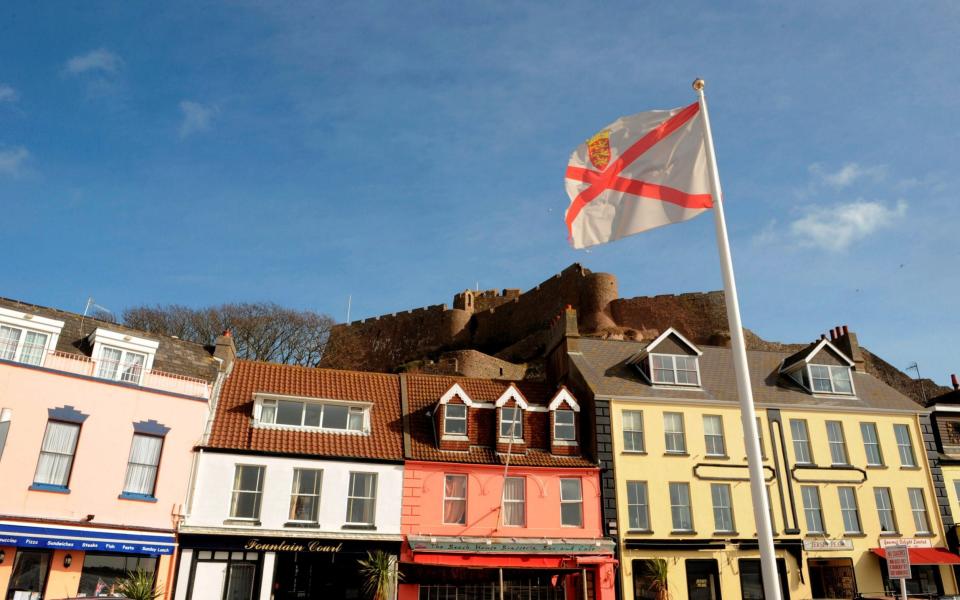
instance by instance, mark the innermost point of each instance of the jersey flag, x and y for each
(640, 172)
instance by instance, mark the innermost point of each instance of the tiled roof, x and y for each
(423, 393)
(232, 423)
(603, 364)
(176, 356)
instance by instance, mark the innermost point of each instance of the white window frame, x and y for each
(521, 501)
(834, 444)
(263, 403)
(849, 508)
(103, 339)
(918, 507)
(262, 470)
(27, 322)
(804, 442)
(295, 493)
(578, 501)
(463, 499)
(572, 424)
(675, 505)
(722, 512)
(156, 467)
(682, 433)
(517, 421)
(708, 436)
(447, 419)
(372, 499)
(639, 509)
(673, 369)
(72, 454)
(881, 496)
(832, 370)
(905, 445)
(635, 433)
(811, 509)
(871, 426)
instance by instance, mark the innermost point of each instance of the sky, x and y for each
(394, 153)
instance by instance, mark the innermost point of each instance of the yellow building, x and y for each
(844, 459)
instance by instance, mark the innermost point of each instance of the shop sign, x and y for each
(827, 545)
(898, 562)
(908, 542)
(30, 535)
(297, 546)
(511, 547)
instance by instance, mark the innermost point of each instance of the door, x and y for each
(703, 579)
(208, 580)
(832, 578)
(29, 575)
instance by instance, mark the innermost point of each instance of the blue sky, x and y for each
(399, 152)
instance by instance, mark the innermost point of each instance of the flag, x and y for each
(639, 172)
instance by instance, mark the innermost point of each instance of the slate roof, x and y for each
(603, 365)
(232, 427)
(173, 355)
(424, 391)
(951, 397)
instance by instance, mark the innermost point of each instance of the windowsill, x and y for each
(877, 467)
(890, 534)
(360, 527)
(302, 524)
(136, 497)
(508, 440)
(725, 533)
(668, 453)
(855, 535)
(634, 452)
(913, 468)
(639, 531)
(46, 487)
(815, 535)
(840, 465)
(254, 522)
(310, 428)
(451, 437)
(564, 442)
(925, 534)
(805, 465)
(717, 456)
(683, 532)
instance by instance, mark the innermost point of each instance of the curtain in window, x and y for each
(109, 363)
(8, 342)
(142, 467)
(455, 506)
(513, 506)
(133, 367)
(33, 346)
(56, 454)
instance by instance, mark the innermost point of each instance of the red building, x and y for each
(498, 499)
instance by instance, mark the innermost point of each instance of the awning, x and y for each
(522, 546)
(124, 541)
(926, 556)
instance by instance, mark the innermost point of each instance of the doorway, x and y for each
(832, 578)
(703, 579)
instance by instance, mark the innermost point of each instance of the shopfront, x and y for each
(441, 568)
(54, 561)
(231, 567)
(929, 567)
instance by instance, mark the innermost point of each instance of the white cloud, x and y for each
(95, 60)
(834, 228)
(7, 93)
(12, 161)
(196, 117)
(846, 175)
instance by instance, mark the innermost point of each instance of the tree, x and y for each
(262, 330)
(138, 585)
(380, 574)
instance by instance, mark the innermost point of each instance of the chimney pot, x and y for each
(823, 337)
(845, 330)
(956, 383)
(833, 335)
(227, 333)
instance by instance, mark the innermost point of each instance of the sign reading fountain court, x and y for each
(285, 546)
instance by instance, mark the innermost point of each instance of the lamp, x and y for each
(67, 561)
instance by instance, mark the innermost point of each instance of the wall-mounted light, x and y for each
(3, 555)
(67, 561)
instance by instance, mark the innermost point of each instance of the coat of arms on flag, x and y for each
(639, 172)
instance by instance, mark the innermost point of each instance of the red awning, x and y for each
(926, 556)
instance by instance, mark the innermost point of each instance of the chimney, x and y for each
(956, 384)
(847, 343)
(225, 350)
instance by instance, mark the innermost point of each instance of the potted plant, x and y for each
(380, 574)
(656, 572)
(138, 585)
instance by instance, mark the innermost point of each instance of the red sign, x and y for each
(898, 562)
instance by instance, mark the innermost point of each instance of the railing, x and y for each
(124, 372)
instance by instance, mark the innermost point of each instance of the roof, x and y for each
(951, 397)
(232, 427)
(173, 355)
(423, 392)
(812, 349)
(603, 365)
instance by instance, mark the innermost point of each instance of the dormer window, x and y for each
(327, 416)
(511, 423)
(563, 426)
(121, 365)
(674, 370)
(830, 379)
(27, 338)
(821, 368)
(455, 420)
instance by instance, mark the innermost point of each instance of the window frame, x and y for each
(295, 494)
(673, 369)
(682, 433)
(808, 509)
(888, 497)
(156, 467)
(572, 425)
(680, 485)
(634, 508)
(922, 510)
(871, 426)
(262, 475)
(122, 364)
(518, 419)
(707, 436)
(447, 419)
(577, 501)
(805, 442)
(446, 498)
(908, 445)
(841, 443)
(847, 494)
(265, 403)
(73, 455)
(21, 344)
(831, 377)
(636, 433)
(372, 499)
(718, 510)
(522, 501)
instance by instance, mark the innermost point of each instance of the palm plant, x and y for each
(138, 585)
(380, 574)
(656, 572)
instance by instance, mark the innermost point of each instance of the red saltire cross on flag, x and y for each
(659, 175)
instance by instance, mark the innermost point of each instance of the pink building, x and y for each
(498, 499)
(97, 427)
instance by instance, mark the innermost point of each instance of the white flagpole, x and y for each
(761, 510)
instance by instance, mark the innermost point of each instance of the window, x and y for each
(713, 435)
(919, 507)
(563, 426)
(514, 501)
(511, 423)
(838, 445)
(455, 419)
(455, 500)
(680, 507)
(648, 582)
(871, 444)
(673, 433)
(297, 413)
(849, 510)
(888, 524)
(904, 446)
(247, 492)
(638, 506)
(801, 441)
(811, 508)
(571, 503)
(101, 572)
(121, 365)
(675, 370)
(751, 579)
(722, 507)
(56, 454)
(305, 495)
(142, 465)
(831, 379)
(22, 345)
(29, 575)
(633, 431)
(362, 498)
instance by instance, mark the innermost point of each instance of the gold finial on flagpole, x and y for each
(698, 84)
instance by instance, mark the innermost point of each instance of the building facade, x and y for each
(846, 469)
(299, 479)
(97, 427)
(498, 498)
